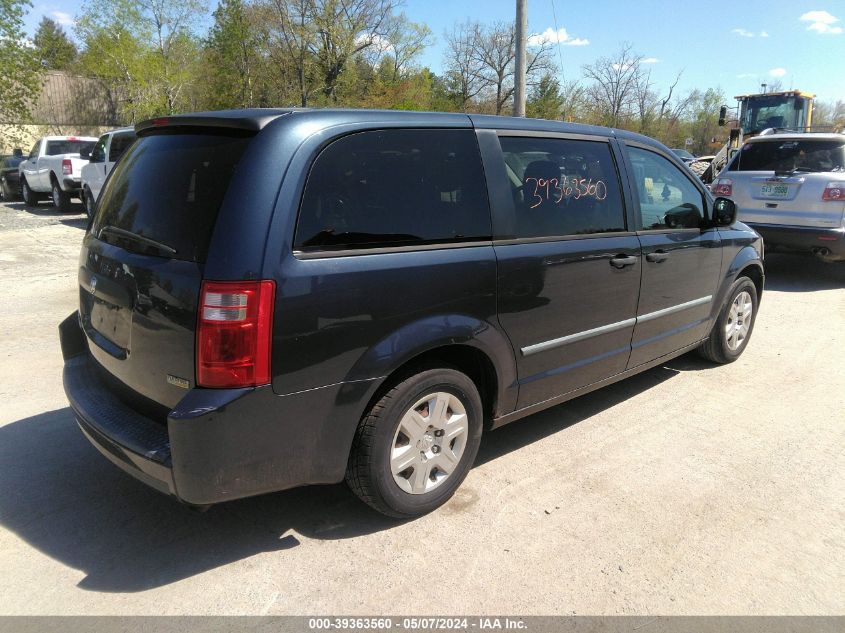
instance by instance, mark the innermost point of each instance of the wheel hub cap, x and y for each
(429, 442)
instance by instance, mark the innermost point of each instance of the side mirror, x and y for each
(85, 153)
(724, 212)
(723, 114)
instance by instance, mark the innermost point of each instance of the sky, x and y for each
(735, 45)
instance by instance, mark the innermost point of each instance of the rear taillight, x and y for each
(834, 191)
(67, 167)
(234, 332)
(722, 187)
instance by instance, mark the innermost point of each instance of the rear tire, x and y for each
(30, 199)
(415, 446)
(5, 191)
(732, 330)
(61, 199)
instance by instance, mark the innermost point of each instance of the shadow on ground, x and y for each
(62, 497)
(801, 273)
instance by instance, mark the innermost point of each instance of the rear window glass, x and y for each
(395, 188)
(790, 155)
(54, 148)
(164, 195)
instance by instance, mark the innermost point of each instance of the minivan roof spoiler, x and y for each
(247, 120)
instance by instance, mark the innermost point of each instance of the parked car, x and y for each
(9, 176)
(54, 166)
(684, 155)
(791, 189)
(101, 161)
(274, 298)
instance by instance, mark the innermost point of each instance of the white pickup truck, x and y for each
(54, 166)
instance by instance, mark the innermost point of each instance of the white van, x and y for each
(108, 149)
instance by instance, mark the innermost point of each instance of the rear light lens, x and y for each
(834, 191)
(723, 187)
(67, 167)
(234, 333)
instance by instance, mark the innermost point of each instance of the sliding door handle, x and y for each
(620, 261)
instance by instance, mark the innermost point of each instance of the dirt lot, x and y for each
(688, 489)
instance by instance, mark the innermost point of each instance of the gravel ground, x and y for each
(689, 489)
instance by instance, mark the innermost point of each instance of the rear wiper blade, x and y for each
(140, 239)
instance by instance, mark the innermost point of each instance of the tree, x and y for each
(494, 49)
(545, 100)
(22, 82)
(463, 69)
(402, 43)
(146, 49)
(232, 49)
(614, 85)
(54, 48)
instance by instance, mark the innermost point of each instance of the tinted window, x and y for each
(668, 199)
(789, 155)
(562, 187)
(395, 188)
(54, 148)
(119, 143)
(98, 154)
(168, 189)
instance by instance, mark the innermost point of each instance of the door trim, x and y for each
(528, 350)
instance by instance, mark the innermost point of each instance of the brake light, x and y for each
(160, 121)
(723, 187)
(834, 191)
(234, 332)
(67, 167)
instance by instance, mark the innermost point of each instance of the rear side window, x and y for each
(54, 148)
(395, 188)
(119, 143)
(790, 155)
(163, 197)
(562, 187)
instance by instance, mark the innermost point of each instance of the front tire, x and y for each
(29, 197)
(415, 446)
(61, 199)
(732, 330)
(88, 201)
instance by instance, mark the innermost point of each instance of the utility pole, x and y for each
(519, 72)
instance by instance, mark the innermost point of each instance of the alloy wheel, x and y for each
(739, 320)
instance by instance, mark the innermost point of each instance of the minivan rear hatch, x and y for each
(141, 265)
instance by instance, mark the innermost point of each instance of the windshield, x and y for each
(790, 155)
(776, 111)
(163, 196)
(55, 148)
(683, 154)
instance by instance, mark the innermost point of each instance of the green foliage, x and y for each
(54, 48)
(21, 71)
(146, 52)
(545, 100)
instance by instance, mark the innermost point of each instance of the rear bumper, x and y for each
(802, 238)
(216, 444)
(71, 184)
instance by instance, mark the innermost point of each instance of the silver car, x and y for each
(790, 188)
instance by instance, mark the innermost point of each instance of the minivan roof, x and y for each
(255, 119)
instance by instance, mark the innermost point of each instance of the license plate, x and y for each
(774, 191)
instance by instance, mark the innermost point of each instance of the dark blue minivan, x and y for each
(273, 298)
